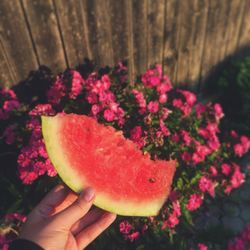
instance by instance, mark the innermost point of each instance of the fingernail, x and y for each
(88, 194)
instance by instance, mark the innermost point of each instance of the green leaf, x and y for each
(180, 184)
(188, 216)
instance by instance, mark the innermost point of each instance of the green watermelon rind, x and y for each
(50, 130)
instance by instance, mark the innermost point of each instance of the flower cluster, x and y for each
(242, 241)
(9, 230)
(8, 103)
(164, 121)
(33, 159)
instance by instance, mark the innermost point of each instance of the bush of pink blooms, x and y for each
(163, 120)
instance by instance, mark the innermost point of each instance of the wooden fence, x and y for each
(188, 37)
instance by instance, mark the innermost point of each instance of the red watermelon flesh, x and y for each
(86, 153)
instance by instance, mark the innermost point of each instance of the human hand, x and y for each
(62, 220)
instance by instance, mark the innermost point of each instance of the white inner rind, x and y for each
(50, 130)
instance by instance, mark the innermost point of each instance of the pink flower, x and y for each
(186, 137)
(51, 171)
(196, 158)
(56, 91)
(136, 133)
(214, 143)
(163, 98)
(206, 185)
(189, 96)
(203, 132)
(4, 242)
(5, 247)
(164, 129)
(213, 171)
(153, 106)
(8, 93)
(11, 105)
(42, 109)
(239, 150)
(125, 227)
(120, 114)
(133, 236)
(76, 85)
(8, 103)
(152, 77)
(201, 152)
(33, 159)
(15, 216)
(238, 177)
(95, 109)
(139, 98)
(109, 115)
(171, 222)
(246, 234)
(218, 111)
(202, 246)
(136, 136)
(225, 169)
(177, 103)
(245, 142)
(114, 106)
(236, 180)
(176, 208)
(238, 244)
(165, 113)
(212, 128)
(175, 138)
(233, 134)
(241, 242)
(194, 202)
(91, 97)
(186, 156)
(106, 82)
(185, 108)
(200, 109)
(27, 176)
(164, 87)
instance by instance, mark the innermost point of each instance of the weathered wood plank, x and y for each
(16, 42)
(215, 42)
(6, 75)
(156, 12)
(119, 29)
(235, 17)
(129, 23)
(244, 36)
(140, 25)
(171, 38)
(192, 36)
(98, 22)
(45, 33)
(74, 31)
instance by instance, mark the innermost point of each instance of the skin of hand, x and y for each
(64, 221)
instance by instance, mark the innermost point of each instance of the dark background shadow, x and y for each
(229, 84)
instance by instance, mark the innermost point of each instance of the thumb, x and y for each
(76, 210)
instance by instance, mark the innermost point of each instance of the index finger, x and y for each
(46, 206)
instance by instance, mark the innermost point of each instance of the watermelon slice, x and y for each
(86, 153)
